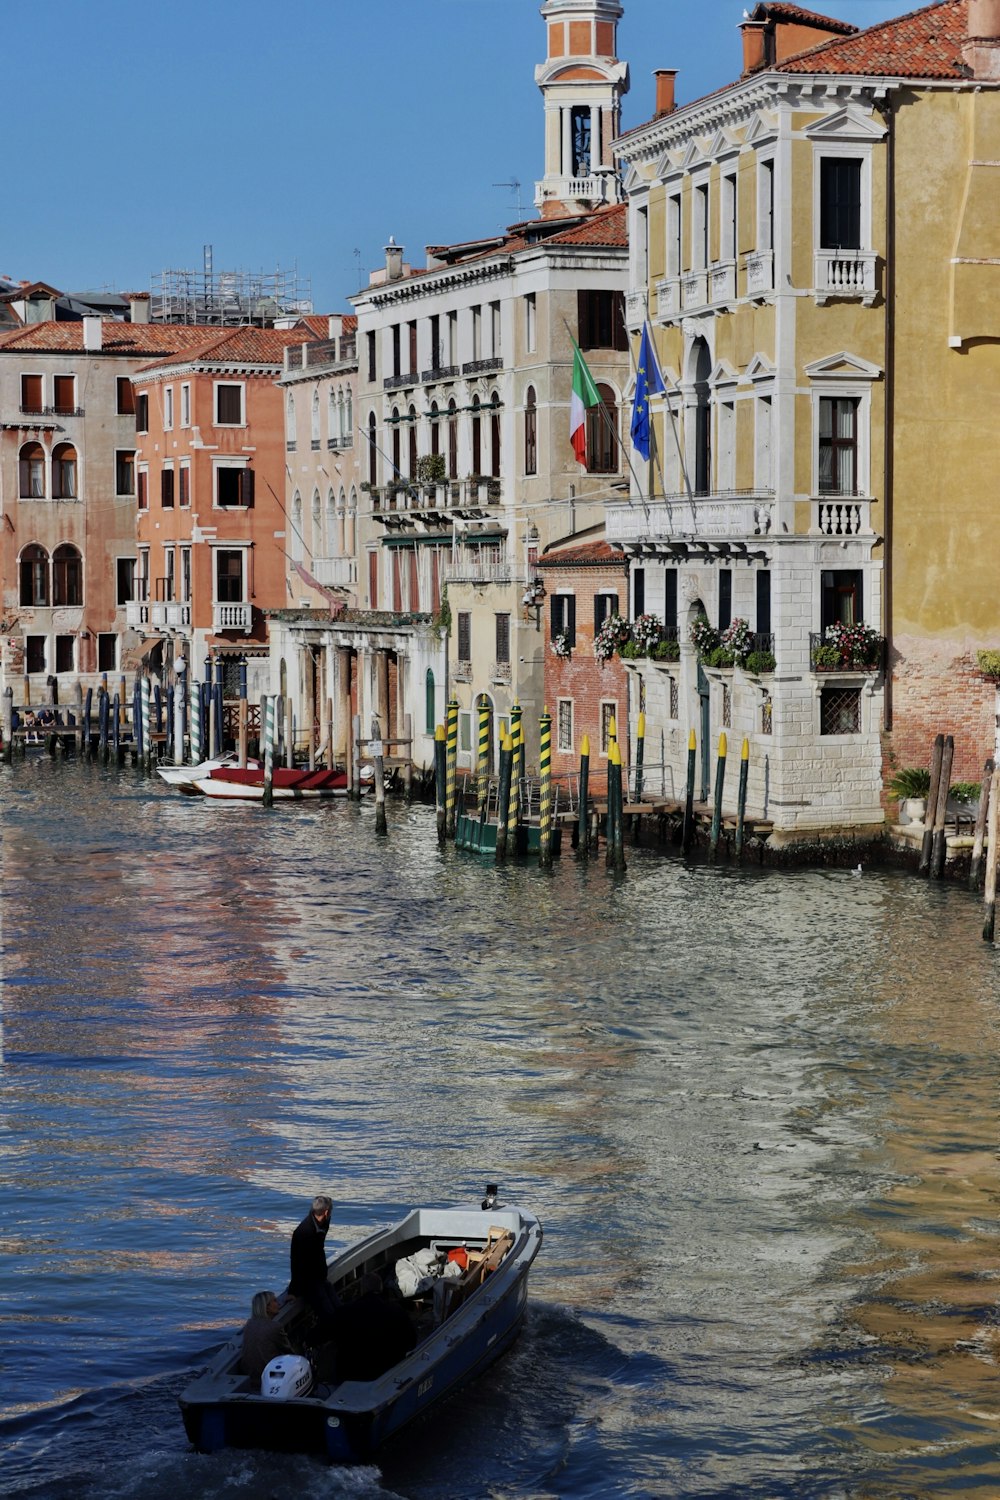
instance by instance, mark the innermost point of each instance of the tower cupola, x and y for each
(582, 83)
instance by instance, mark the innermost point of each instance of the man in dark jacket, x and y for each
(309, 1270)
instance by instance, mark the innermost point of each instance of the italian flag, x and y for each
(584, 395)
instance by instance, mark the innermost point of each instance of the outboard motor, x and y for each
(287, 1376)
(490, 1201)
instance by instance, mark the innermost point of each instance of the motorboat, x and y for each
(246, 783)
(465, 1312)
(184, 778)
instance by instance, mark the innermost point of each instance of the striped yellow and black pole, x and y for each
(451, 763)
(440, 780)
(583, 812)
(687, 831)
(483, 764)
(720, 777)
(517, 735)
(741, 800)
(503, 795)
(514, 804)
(545, 789)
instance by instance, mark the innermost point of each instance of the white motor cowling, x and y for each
(286, 1377)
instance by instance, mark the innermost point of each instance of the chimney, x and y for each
(93, 333)
(393, 261)
(665, 80)
(753, 45)
(138, 307)
(981, 46)
(334, 325)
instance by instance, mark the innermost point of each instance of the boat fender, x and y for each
(287, 1376)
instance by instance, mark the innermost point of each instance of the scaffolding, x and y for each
(228, 299)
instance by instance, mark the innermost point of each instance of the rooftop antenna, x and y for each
(515, 188)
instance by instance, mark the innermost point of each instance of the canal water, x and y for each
(755, 1111)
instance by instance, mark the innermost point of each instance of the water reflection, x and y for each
(755, 1112)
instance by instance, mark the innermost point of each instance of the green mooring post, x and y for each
(583, 811)
(720, 777)
(687, 832)
(545, 790)
(451, 765)
(503, 794)
(741, 801)
(440, 780)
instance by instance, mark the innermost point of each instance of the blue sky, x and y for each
(301, 134)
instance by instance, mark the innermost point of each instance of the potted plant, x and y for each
(963, 798)
(646, 632)
(825, 658)
(611, 637)
(721, 656)
(704, 637)
(911, 785)
(989, 664)
(738, 639)
(859, 646)
(561, 646)
(759, 662)
(667, 651)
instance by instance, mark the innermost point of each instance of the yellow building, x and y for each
(813, 249)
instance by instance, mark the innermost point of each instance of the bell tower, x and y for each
(582, 83)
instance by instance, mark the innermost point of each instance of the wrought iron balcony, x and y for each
(859, 649)
(483, 366)
(440, 372)
(396, 382)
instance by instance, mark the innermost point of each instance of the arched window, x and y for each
(395, 444)
(31, 464)
(412, 438)
(530, 431)
(495, 436)
(295, 539)
(314, 428)
(34, 575)
(331, 523)
(317, 526)
(348, 416)
(477, 437)
(350, 539)
(602, 434)
(341, 522)
(702, 418)
(290, 418)
(429, 705)
(64, 472)
(331, 414)
(452, 440)
(372, 451)
(435, 428)
(67, 575)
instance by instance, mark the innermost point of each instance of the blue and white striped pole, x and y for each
(147, 746)
(269, 750)
(195, 722)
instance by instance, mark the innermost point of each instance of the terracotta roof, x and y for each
(319, 324)
(925, 43)
(117, 338)
(237, 346)
(606, 226)
(587, 555)
(781, 11)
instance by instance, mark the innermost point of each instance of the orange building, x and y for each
(210, 483)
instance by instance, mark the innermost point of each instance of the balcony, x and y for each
(178, 616)
(137, 614)
(580, 189)
(668, 297)
(731, 514)
(694, 289)
(841, 515)
(483, 366)
(500, 671)
(333, 572)
(461, 497)
(397, 382)
(440, 372)
(232, 617)
(462, 671)
(335, 443)
(760, 272)
(52, 411)
(722, 282)
(635, 308)
(846, 648)
(476, 570)
(846, 273)
(158, 616)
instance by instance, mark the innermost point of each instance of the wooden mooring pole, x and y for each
(939, 845)
(741, 802)
(582, 835)
(377, 753)
(992, 854)
(687, 831)
(979, 838)
(927, 842)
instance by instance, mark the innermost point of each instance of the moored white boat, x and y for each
(247, 784)
(186, 777)
(461, 1328)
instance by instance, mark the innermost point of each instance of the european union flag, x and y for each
(648, 382)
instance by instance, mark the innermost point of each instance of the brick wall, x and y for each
(937, 690)
(580, 677)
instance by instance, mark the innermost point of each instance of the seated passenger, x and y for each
(374, 1333)
(263, 1339)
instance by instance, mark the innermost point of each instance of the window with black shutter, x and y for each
(31, 393)
(763, 602)
(530, 432)
(605, 605)
(229, 405)
(563, 617)
(601, 319)
(142, 412)
(840, 203)
(246, 487)
(464, 635)
(725, 598)
(638, 592)
(503, 637)
(670, 598)
(126, 396)
(167, 489)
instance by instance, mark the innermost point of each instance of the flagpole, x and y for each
(604, 412)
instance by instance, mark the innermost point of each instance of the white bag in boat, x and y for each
(416, 1273)
(287, 1376)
